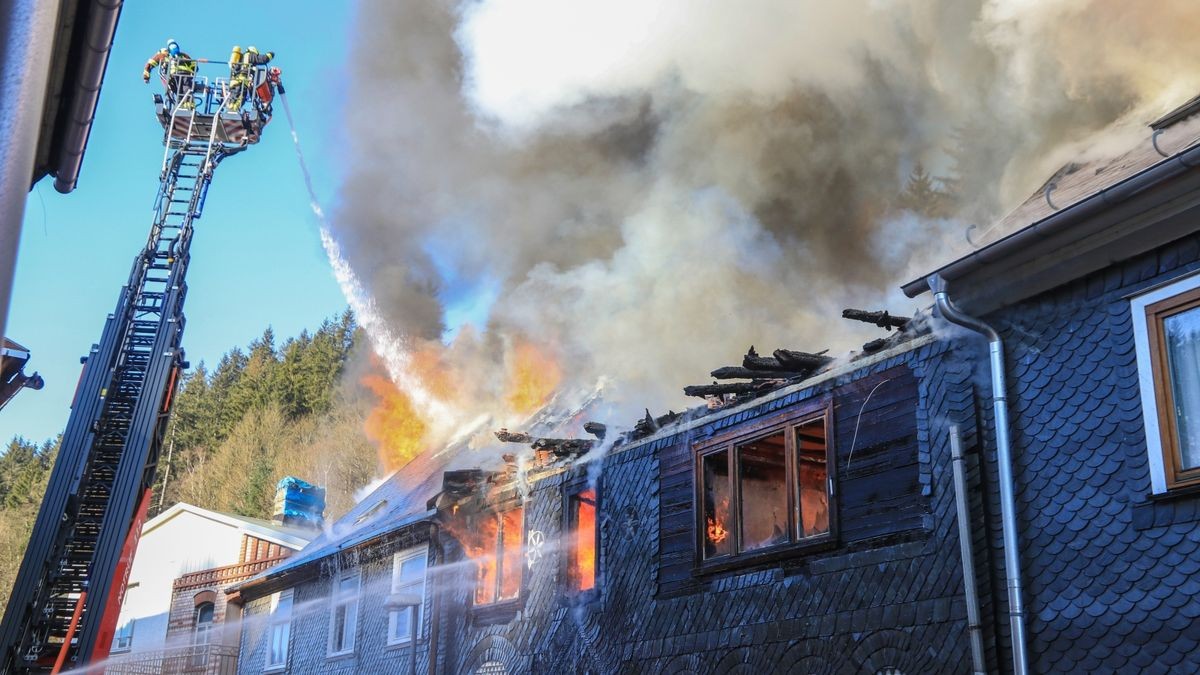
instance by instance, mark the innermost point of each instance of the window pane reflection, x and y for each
(763, 465)
(1182, 335)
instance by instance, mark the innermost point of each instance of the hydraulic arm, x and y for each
(67, 594)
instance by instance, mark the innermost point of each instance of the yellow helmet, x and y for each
(237, 49)
(252, 49)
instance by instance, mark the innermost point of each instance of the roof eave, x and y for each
(285, 575)
(995, 259)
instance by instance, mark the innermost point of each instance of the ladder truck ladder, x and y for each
(71, 581)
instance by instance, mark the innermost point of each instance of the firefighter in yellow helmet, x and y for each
(178, 68)
(241, 76)
(237, 79)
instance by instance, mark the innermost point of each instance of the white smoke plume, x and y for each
(648, 187)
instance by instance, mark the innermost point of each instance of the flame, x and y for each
(583, 550)
(533, 375)
(480, 537)
(484, 557)
(428, 363)
(716, 523)
(394, 424)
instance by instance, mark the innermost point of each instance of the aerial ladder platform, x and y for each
(64, 606)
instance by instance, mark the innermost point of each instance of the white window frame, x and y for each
(1141, 339)
(397, 561)
(351, 605)
(276, 619)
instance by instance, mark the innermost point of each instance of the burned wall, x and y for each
(887, 594)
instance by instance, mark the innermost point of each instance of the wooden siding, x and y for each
(878, 491)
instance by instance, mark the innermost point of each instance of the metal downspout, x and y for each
(1008, 508)
(974, 628)
(435, 609)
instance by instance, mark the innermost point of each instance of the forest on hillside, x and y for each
(263, 412)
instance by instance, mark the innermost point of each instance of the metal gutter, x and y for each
(1008, 502)
(1056, 223)
(92, 59)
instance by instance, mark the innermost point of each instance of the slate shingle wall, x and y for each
(888, 602)
(311, 616)
(1111, 577)
(1112, 582)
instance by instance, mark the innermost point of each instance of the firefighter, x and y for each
(178, 67)
(237, 79)
(241, 76)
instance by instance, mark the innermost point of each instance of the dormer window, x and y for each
(764, 491)
(371, 512)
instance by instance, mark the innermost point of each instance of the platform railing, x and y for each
(188, 660)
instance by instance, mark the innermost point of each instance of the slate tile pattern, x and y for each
(885, 597)
(1112, 576)
(1112, 582)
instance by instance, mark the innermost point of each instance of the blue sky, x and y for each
(256, 257)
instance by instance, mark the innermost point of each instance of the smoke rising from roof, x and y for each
(650, 187)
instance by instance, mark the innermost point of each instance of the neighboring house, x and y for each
(185, 559)
(814, 527)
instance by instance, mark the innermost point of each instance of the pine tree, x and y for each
(923, 195)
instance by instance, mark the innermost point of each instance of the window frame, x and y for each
(1162, 442)
(571, 493)
(398, 559)
(124, 632)
(335, 602)
(728, 443)
(275, 620)
(497, 511)
(199, 649)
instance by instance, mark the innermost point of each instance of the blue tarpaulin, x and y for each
(299, 501)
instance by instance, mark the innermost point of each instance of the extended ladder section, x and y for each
(89, 518)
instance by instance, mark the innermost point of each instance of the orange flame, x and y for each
(716, 523)
(393, 424)
(583, 549)
(533, 375)
(495, 544)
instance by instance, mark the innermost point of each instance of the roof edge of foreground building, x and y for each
(1066, 228)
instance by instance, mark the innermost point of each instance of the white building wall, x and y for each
(187, 542)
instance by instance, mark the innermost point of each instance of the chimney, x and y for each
(299, 504)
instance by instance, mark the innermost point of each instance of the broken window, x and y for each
(762, 482)
(581, 541)
(765, 490)
(716, 505)
(499, 564)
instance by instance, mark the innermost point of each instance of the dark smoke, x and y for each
(732, 176)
